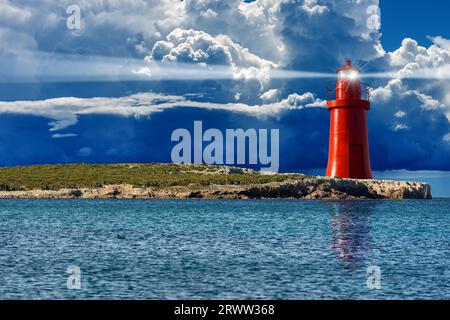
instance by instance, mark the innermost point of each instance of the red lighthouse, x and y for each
(348, 155)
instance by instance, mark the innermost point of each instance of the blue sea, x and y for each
(199, 249)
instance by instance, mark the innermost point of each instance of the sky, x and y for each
(416, 19)
(112, 83)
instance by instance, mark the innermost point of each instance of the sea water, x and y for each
(200, 249)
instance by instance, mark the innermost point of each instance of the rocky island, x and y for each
(165, 181)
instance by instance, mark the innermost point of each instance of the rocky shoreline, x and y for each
(307, 188)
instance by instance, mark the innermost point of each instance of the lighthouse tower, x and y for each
(348, 155)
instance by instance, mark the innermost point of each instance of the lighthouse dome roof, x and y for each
(347, 66)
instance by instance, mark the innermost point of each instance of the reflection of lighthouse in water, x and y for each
(350, 223)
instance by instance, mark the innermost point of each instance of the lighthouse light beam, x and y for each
(57, 67)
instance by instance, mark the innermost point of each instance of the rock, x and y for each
(306, 188)
(195, 195)
(76, 193)
(331, 188)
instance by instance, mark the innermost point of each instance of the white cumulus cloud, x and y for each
(198, 47)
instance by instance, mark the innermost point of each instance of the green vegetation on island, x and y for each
(159, 176)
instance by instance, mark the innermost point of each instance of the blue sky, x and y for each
(414, 19)
(73, 95)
